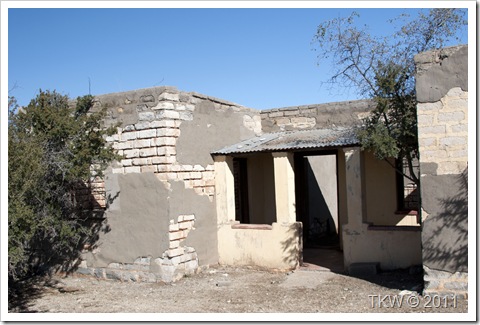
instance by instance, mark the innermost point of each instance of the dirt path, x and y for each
(240, 290)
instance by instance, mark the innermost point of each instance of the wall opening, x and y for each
(317, 198)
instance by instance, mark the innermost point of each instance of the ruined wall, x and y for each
(161, 193)
(442, 92)
(330, 115)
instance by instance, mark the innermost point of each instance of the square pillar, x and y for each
(284, 186)
(224, 189)
(353, 178)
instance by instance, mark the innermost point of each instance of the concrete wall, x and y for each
(328, 115)
(381, 195)
(393, 248)
(261, 189)
(323, 193)
(442, 92)
(275, 247)
(162, 191)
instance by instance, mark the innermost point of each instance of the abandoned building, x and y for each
(206, 181)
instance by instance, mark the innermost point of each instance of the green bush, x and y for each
(53, 146)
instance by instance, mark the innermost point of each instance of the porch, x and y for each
(282, 193)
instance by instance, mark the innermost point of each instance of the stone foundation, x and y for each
(176, 262)
(444, 283)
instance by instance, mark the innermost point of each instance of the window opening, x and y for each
(241, 190)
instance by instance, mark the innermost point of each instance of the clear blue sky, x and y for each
(259, 58)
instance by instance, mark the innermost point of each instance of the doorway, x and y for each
(318, 206)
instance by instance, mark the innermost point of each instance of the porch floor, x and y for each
(323, 259)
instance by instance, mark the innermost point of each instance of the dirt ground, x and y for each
(237, 290)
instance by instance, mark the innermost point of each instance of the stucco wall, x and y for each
(277, 247)
(381, 194)
(261, 189)
(442, 92)
(163, 189)
(395, 248)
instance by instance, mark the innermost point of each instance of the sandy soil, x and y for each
(237, 290)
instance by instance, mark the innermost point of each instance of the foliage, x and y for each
(382, 68)
(53, 146)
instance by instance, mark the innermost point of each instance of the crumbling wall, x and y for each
(161, 192)
(330, 115)
(442, 93)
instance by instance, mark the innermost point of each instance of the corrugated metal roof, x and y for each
(293, 140)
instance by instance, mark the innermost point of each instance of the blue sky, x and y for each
(259, 58)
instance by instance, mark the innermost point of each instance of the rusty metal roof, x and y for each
(294, 140)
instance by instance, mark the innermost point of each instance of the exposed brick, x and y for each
(146, 116)
(453, 116)
(164, 160)
(169, 96)
(132, 169)
(195, 175)
(123, 145)
(425, 120)
(129, 136)
(459, 128)
(162, 168)
(291, 113)
(132, 153)
(198, 168)
(175, 252)
(167, 114)
(118, 170)
(164, 106)
(275, 114)
(149, 169)
(188, 217)
(174, 244)
(457, 104)
(163, 124)
(151, 133)
(141, 161)
(187, 168)
(185, 225)
(427, 142)
(142, 126)
(148, 152)
(438, 129)
(282, 121)
(453, 141)
(164, 141)
(141, 143)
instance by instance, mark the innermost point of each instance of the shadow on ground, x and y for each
(330, 259)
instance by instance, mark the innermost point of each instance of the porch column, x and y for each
(353, 177)
(224, 189)
(284, 186)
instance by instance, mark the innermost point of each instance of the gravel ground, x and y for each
(236, 290)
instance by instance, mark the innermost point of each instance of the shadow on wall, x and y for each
(292, 246)
(446, 247)
(45, 262)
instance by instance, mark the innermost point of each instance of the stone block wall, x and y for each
(330, 115)
(162, 190)
(442, 111)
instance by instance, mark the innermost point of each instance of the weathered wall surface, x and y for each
(328, 115)
(442, 111)
(163, 189)
(275, 247)
(381, 195)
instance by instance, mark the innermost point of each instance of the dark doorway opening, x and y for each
(317, 208)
